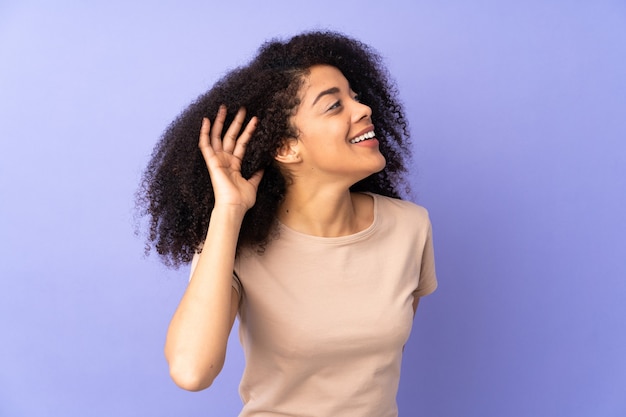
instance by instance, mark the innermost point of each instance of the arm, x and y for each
(195, 345)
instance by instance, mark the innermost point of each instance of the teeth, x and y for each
(363, 137)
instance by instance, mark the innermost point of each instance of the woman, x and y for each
(290, 214)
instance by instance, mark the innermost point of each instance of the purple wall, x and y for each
(518, 111)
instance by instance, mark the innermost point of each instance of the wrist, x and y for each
(229, 211)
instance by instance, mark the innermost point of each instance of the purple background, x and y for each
(518, 111)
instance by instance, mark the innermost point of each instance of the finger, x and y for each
(203, 142)
(218, 126)
(242, 142)
(255, 179)
(230, 138)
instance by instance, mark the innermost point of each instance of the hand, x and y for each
(223, 159)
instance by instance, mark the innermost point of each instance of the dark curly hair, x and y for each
(176, 191)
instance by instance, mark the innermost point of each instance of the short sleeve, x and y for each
(236, 284)
(427, 279)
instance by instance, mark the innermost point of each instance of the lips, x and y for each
(365, 135)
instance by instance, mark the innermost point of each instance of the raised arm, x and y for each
(195, 346)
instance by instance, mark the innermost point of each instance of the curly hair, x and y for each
(176, 191)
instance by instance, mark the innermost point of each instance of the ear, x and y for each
(288, 153)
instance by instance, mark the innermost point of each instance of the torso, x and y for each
(323, 320)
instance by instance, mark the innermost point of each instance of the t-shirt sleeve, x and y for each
(236, 284)
(427, 279)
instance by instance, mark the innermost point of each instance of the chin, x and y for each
(382, 164)
(375, 169)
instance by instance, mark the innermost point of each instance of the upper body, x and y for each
(323, 320)
(280, 184)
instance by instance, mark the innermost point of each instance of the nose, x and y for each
(361, 111)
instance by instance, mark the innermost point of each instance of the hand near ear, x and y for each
(223, 158)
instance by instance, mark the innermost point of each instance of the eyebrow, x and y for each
(333, 90)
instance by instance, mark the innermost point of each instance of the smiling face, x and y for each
(336, 137)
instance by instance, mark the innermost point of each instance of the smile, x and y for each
(364, 136)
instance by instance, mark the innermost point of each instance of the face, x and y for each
(336, 138)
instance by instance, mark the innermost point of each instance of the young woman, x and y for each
(290, 212)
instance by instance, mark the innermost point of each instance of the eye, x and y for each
(357, 98)
(335, 105)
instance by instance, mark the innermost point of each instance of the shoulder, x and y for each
(388, 206)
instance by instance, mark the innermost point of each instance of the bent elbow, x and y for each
(190, 378)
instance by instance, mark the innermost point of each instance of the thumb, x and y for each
(255, 179)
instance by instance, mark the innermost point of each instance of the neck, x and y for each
(326, 212)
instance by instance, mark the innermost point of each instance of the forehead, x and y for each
(320, 78)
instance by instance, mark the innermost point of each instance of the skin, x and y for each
(195, 347)
(322, 164)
